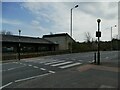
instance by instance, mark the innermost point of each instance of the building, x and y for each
(10, 44)
(62, 39)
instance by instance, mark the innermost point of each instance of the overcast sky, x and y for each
(40, 18)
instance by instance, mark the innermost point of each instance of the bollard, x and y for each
(95, 57)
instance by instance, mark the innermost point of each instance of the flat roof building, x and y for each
(27, 44)
(62, 39)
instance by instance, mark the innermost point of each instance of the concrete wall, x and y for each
(63, 41)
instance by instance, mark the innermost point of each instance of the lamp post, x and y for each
(71, 27)
(19, 46)
(111, 35)
(98, 35)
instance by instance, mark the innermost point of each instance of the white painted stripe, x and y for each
(61, 63)
(30, 65)
(32, 77)
(5, 85)
(47, 61)
(70, 65)
(51, 71)
(53, 62)
(42, 68)
(35, 67)
(13, 68)
(80, 60)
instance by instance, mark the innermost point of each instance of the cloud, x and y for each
(55, 17)
(11, 22)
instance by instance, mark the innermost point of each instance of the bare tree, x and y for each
(87, 36)
(3, 32)
(6, 32)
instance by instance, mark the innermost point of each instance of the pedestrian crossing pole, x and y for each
(98, 34)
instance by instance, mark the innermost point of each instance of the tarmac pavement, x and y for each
(86, 76)
(62, 71)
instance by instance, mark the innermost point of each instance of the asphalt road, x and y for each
(27, 69)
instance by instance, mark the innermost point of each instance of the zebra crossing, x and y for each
(61, 64)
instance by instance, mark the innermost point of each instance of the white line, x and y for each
(43, 69)
(5, 85)
(30, 65)
(51, 71)
(32, 77)
(47, 61)
(70, 65)
(10, 69)
(61, 63)
(53, 62)
(13, 68)
(80, 60)
(35, 67)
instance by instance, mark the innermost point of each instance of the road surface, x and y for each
(17, 72)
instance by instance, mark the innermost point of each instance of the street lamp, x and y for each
(111, 35)
(19, 46)
(98, 34)
(71, 25)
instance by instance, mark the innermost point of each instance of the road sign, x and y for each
(98, 34)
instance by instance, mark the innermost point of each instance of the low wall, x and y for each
(12, 56)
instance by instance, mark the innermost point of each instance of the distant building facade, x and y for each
(62, 39)
(10, 43)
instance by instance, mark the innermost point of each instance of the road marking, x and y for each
(61, 63)
(106, 57)
(32, 77)
(53, 62)
(70, 65)
(30, 65)
(51, 71)
(12, 68)
(80, 60)
(35, 67)
(5, 85)
(47, 61)
(43, 69)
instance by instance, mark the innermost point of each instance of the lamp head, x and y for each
(76, 6)
(19, 30)
(98, 20)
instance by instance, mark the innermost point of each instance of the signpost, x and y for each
(98, 34)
